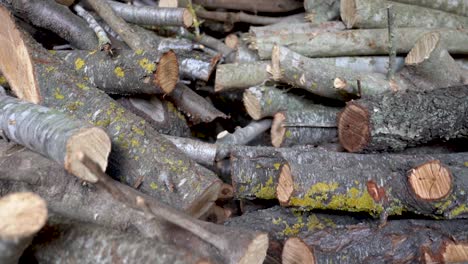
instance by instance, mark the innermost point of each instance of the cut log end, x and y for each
(423, 48)
(285, 186)
(227, 191)
(187, 18)
(431, 181)
(278, 131)
(256, 250)
(252, 105)
(232, 41)
(296, 251)
(15, 56)
(205, 201)
(353, 127)
(450, 252)
(22, 214)
(348, 12)
(167, 72)
(92, 142)
(275, 68)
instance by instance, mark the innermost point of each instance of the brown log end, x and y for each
(206, 200)
(430, 181)
(278, 131)
(22, 215)
(252, 105)
(354, 127)
(296, 251)
(167, 72)
(449, 252)
(285, 186)
(16, 65)
(348, 12)
(256, 250)
(92, 142)
(423, 48)
(226, 192)
(168, 3)
(187, 18)
(232, 41)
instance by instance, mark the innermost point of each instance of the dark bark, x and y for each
(128, 72)
(393, 122)
(138, 154)
(162, 115)
(57, 18)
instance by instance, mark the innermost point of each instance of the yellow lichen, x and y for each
(137, 130)
(73, 106)
(50, 68)
(288, 134)
(82, 86)
(277, 166)
(242, 188)
(148, 66)
(53, 52)
(355, 201)
(138, 51)
(134, 143)
(58, 95)
(79, 63)
(119, 72)
(465, 163)
(3, 80)
(266, 191)
(459, 210)
(153, 186)
(276, 221)
(314, 223)
(295, 229)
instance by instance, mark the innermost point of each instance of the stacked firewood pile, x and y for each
(169, 132)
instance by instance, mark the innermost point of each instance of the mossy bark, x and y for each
(360, 42)
(128, 72)
(393, 122)
(241, 76)
(376, 184)
(138, 151)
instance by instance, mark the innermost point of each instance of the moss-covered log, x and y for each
(23, 215)
(266, 101)
(197, 65)
(256, 6)
(129, 72)
(241, 76)
(125, 208)
(373, 14)
(319, 11)
(139, 153)
(393, 122)
(57, 18)
(54, 135)
(66, 241)
(313, 125)
(327, 80)
(162, 115)
(459, 7)
(431, 185)
(359, 42)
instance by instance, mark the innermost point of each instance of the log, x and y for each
(320, 11)
(432, 63)
(314, 125)
(377, 184)
(128, 72)
(372, 14)
(56, 18)
(138, 153)
(459, 7)
(379, 123)
(23, 215)
(103, 40)
(54, 135)
(119, 206)
(326, 80)
(161, 115)
(275, 6)
(201, 152)
(197, 65)
(195, 107)
(363, 42)
(279, 30)
(64, 241)
(266, 101)
(244, 135)
(236, 17)
(238, 76)
(154, 16)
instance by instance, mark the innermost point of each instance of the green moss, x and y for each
(148, 66)
(153, 186)
(266, 191)
(58, 95)
(459, 210)
(314, 223)
(119, 72)
(79, 63)
(355, 201)
(295, 229)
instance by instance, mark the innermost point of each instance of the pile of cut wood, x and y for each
(169, 132)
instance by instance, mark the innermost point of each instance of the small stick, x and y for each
(104, 41)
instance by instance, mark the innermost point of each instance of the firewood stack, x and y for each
(169, 131)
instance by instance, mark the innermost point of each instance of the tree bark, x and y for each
(66, 241)
(128, 72)
(57, 18)
(364, 42)
(372, 14)
(197, 65)
(277, 31)
(23, 215)
(393, 122)
(320, 11)
(459, 7)
(138, 151)
(313, 125)
(329, 81)
(266, 101)
(155, 16)
(232, 17)
(275, 6)
(240, 76)
(377, 184)
(161, 115)
(103, 39)
(244, 135)
(54, 135)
